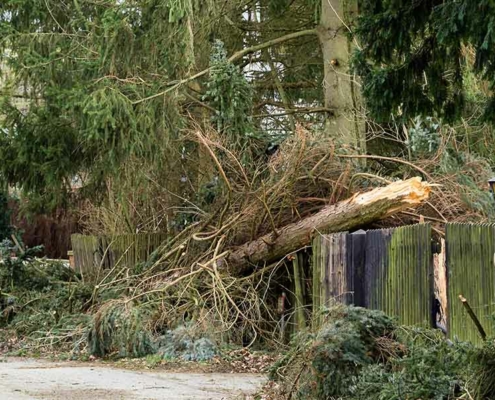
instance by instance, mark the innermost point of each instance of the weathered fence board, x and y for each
(398, 273)
(470, 251)
(333, 277)
(356, 257)
(92, 252)
(86, 252)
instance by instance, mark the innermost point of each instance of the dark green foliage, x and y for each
(429, 368)
(89, 88)
(38, 297)
(483, 369)
(5, 228)
(424, 137)
(41, 151)
(362, 355)
(229, 93)
(16, 268)
(336, 355)
(411, 58)
(42, 319)
(21, 271)
(78, 66)
(343, 347)
(120, 328)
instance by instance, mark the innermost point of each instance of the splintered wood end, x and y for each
(411, 191)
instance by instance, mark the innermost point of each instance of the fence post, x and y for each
(298, 264)
(316, 266)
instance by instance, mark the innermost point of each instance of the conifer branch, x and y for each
(233, 58)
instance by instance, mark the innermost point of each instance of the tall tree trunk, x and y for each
(340, 90)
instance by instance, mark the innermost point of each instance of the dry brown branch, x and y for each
(303, 179)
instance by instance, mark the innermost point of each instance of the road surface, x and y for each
(22, 379)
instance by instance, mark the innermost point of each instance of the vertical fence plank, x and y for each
(298, 265)
(332, 263)
(356, 258)
(316, 265)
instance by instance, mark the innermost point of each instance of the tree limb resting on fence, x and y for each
(473, 317)
(359, 210)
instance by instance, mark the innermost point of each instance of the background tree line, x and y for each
(114, 88)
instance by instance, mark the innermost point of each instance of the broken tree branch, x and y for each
(473, 317)
(359, 210)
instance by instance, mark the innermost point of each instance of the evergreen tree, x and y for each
(110, 82)
(412, 55)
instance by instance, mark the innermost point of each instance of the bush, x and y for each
(120, 328)
(361, 354)
(429, 368)
(482, 365)
(186, 344)
(330, 361)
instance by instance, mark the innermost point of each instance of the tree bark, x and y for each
(340, 90)
(359, 210)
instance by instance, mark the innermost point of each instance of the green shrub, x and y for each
(186, 344)
(361, 354)
(429, 368)
(120, 328)
(482, 366)
(330, 361)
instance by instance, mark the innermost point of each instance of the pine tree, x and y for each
(412, 55)
(110, 82)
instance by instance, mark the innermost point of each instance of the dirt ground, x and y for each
(24, 379)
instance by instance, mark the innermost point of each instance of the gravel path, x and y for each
(22, 379)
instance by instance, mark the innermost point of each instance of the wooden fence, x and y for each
(470, 261)
(398, 273)
(91, 252)
(403, 273)
(388, 269)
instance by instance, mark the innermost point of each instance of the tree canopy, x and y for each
(413, 55)
(113, 88)
(107, 80)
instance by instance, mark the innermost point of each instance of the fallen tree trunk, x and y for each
(359, 210)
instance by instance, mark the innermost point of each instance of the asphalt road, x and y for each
(22, 379)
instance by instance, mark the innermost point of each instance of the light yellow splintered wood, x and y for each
(410, 191)
(440, 276)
